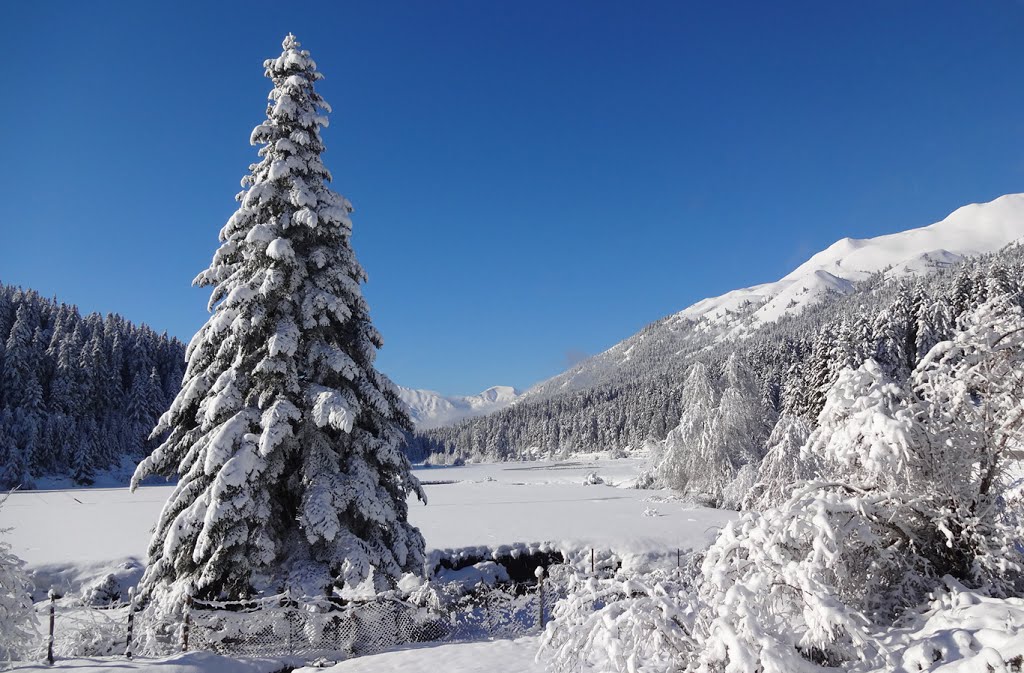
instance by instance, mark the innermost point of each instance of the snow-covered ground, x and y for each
(494, 656)
(69, 537)
(74, 537)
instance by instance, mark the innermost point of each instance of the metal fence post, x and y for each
(288, 615)
(49, 648)
(131, 622)
(188, 622)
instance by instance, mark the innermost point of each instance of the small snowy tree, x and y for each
(624, 625)
(865, 429)
(783, 466)
(285, 439)
(972, 405)
(680, 459)
(17, 619)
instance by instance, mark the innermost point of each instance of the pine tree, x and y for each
(286, 439)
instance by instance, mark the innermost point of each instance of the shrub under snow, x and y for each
(17, 620)
(901, 498)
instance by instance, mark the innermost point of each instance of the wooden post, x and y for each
(679, 562)
(49, 649)
(592, 561)
(539, 574)
(188, 622)
(131, 622)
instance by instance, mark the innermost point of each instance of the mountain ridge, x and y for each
(431, 409)
(968, 231)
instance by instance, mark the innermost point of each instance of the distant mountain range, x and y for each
(432, 410)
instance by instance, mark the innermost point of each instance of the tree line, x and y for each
(78, 394)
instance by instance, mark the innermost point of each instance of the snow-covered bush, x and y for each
(899, 491)
(802, 585)
(914, 495)
(618, 624)
(17, 619)
(963, 631)
(82, 631)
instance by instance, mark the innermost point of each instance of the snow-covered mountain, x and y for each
(431, 409)
(970, 230)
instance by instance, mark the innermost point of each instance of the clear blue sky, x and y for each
(532, 180)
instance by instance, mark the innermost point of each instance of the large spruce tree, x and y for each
(285, 439)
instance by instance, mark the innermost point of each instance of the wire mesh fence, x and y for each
(306, 627)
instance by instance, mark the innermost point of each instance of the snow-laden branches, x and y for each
(285, 439)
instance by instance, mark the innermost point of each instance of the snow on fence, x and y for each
(308, 627)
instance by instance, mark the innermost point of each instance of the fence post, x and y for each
(49, 648)
(592, 572)
(289, 616)
(188, 622)
(539, 573)
(131, 622)
(678, 558)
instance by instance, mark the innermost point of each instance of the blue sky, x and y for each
(533, 180)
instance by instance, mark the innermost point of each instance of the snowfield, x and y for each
(72, 537)
(494, 656)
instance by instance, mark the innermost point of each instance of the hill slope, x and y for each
(968, 231)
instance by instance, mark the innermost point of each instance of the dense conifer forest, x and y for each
(78, 394)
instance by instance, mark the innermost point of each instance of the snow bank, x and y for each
(484, 657)
(965, 632)
(190, 662)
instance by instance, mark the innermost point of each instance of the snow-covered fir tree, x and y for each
(286, 440)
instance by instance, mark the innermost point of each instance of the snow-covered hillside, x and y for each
(971, 230)
(431, 409)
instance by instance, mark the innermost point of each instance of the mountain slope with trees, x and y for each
(78, 394)
(634, 392)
